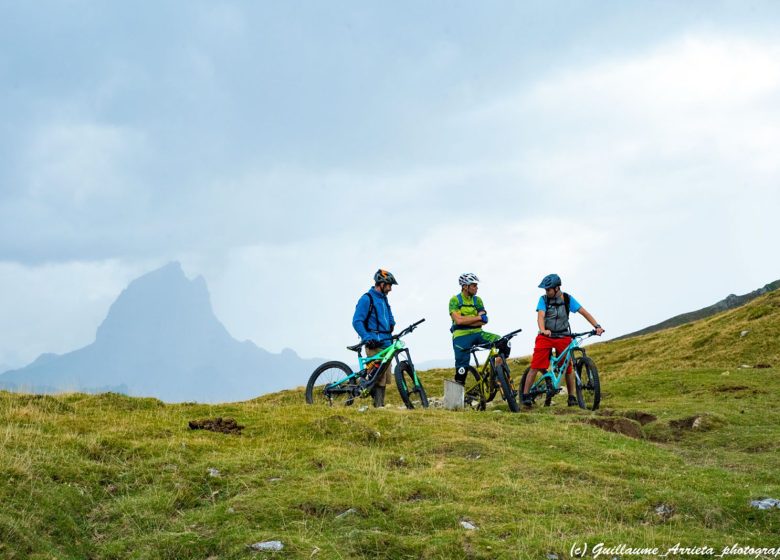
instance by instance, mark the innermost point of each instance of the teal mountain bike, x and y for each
(586, 376)
(335, 384)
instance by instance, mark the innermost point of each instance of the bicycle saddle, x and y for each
(356, 347)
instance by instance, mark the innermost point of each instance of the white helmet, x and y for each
(468, 278)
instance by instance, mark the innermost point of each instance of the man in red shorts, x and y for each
(552, 316)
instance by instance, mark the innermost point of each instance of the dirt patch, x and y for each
(221, 425)
(762, 366)
(643, 418)
(617, 425)
(697, 422)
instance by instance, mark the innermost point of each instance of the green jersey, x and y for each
(467, 307)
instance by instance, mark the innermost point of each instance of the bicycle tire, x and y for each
(475, 393)
(505, 383)
(589, 386)
(404, 380)
(327, 374)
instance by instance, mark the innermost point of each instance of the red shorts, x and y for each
(542, 349)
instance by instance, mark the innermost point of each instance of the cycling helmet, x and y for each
(384, 277)
(468, 278)
(550, 281)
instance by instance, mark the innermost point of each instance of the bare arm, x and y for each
(540, 323)
(462, 321)
(584, 312)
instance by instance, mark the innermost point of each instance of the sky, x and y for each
(286, 150)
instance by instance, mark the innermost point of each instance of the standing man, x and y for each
(468, 315)
(373, 320)
(552, 317)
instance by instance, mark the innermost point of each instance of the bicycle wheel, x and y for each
(323, 386)
(588, 385)
(539, 388)
(505, 383)
(474, 394)
(409, 386)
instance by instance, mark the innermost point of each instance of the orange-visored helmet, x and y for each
(384, 277)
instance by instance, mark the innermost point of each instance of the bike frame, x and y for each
(384, 356)
(484, 379)
(559, 364)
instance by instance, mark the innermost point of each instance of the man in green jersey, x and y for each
(468, 315)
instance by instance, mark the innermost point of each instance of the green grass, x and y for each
(108, 476)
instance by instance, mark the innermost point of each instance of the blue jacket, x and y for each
(379, 323)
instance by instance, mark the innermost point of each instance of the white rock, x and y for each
(765, 503)
(696, 423)
(468, 525)
(213, 472)
(273, 546)
(362, 409)
(743, 333)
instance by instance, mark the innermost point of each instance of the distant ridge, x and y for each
(732, 301)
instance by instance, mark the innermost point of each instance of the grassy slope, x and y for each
(108, 476)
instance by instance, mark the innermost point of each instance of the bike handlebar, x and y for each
(487, 345)
(573, 335)
(408, 329)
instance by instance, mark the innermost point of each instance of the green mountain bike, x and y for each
(482, 385)
(335, 384)
(586, 375)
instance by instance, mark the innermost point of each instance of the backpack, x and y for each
(372, 309)
(461, 305)
(566, 303)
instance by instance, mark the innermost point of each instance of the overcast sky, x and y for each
(286, 150)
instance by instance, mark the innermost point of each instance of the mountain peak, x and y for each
(155, 307)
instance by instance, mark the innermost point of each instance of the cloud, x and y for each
(682, 114)
(303, 294)
(58, 307)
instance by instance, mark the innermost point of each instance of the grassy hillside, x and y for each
(107, 476)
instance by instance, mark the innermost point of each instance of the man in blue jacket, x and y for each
(373, 320)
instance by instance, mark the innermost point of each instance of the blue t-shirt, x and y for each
(574, 305)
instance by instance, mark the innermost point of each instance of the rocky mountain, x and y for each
(731, 302)
(162, 339)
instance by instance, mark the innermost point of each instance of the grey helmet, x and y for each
(468, 278)
(384, 277)
(550, 281)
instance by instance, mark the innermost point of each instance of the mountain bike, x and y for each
(482, 385)
(334, 383)
(586, 376)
